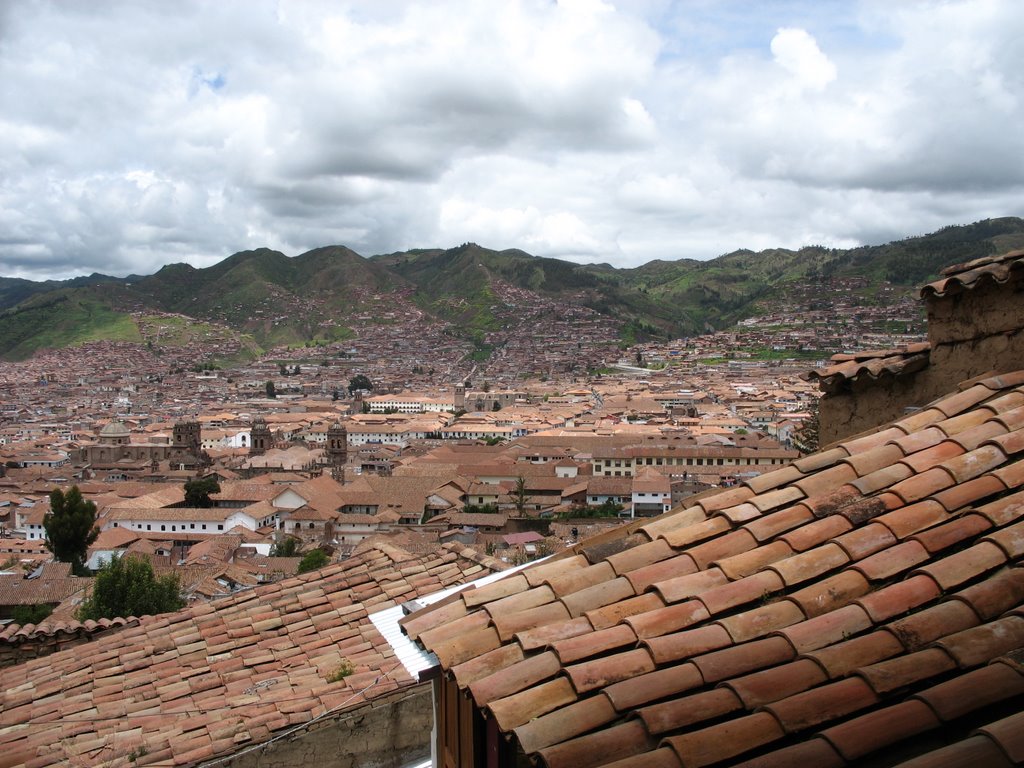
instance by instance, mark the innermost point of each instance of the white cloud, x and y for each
(144, 133)
(798, 53)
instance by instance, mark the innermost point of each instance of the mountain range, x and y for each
(265, 299)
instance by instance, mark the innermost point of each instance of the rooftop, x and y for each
(864, 602)
(220, 676)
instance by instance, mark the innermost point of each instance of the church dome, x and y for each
(115, 429)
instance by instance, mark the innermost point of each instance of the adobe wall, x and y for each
(866, 405)
(976, 332)
(387, 733)
(986, 310)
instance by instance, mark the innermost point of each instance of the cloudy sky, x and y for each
(137, 133)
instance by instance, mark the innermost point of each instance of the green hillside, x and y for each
(62, 318)
(268, 299)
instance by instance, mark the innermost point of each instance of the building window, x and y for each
(163, 527)
(220, 527)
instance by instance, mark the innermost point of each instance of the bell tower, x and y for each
(337, 444)
(260, 437)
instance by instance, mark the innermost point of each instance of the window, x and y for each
(149, 527)
(204, 526)
(163, 527)
(220, 527)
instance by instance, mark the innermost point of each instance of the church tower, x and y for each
(260, 437)
(460, 397)
(337, 444)
(188, 437)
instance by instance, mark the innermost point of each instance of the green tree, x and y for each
(315, 558)
(70, 527)
(271, 389)
(197, 492)
(289, 546)
(519, 496)
(359, 381)
(31, 614)
(126, 586)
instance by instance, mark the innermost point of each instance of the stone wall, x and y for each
(386, 733)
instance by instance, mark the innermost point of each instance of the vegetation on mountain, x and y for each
(266, 298)
(70, 526)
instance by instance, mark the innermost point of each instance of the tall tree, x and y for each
(271, 389)
(197, 492)
(315, 558)
(70, 527)
(126, 586)
(359, 381)
(519, 496)
(289, 546)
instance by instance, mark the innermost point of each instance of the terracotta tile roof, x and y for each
(964, 277)
(861, 600)
(14, 634)
(15, 590)
(220, 676)
(874, 365)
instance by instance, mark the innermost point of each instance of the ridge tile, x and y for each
(767, 685)
(840, 659)
(819, 705)
(746, 563)
(978, 645)
(736, 660)
(902, 671)
(600, 673)
(663, 570)
(899, 597)
(600, 747)
(564, 723)
(670, 618)
(515, 678)
(828, 628)
(811, 563)
(662, 682)
(876, 730)
(972, 690)
(922, 628)
(960, 567)
(519, 708)
(994, 596)
(757, 622)
(774, 523)
(688, 710)
(725, 740)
